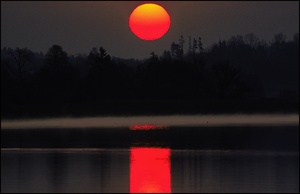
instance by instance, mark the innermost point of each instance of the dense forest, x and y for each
(240, 75)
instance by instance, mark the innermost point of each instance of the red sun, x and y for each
(149, 21)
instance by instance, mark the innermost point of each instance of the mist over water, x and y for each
(170, 121)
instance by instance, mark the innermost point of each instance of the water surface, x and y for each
(189, 154)
(114, 170)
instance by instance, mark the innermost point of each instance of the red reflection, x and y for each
(150, 170)
(147, 127)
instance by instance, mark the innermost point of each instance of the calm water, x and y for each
(152, 158)
(110, 170)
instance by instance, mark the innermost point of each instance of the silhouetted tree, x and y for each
(166, 56)
(181, 46)
(190, 45)
(100, 73)
(104, 56)
(200, 45)
(153, 56)
(20, 57)
(175, 50)
(56, 56)
(251, 40)
(279, 39)
(58, 80)
(257, 70)
(195, 46)
(98, 57)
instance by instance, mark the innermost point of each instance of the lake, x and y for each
(189, 154)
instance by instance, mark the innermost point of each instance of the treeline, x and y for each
(184, 79)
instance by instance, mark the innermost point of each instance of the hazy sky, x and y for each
(80, 25)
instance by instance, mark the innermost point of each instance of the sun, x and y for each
(149, 21)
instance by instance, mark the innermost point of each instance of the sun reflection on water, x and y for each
(150, 170)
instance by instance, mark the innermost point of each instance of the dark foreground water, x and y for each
(165, 159)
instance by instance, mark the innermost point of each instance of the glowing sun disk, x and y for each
(149, 21)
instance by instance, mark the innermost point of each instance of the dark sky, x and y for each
(80, 25)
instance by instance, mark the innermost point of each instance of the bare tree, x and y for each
(279, 39)
(251, 40)
(21, 57)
